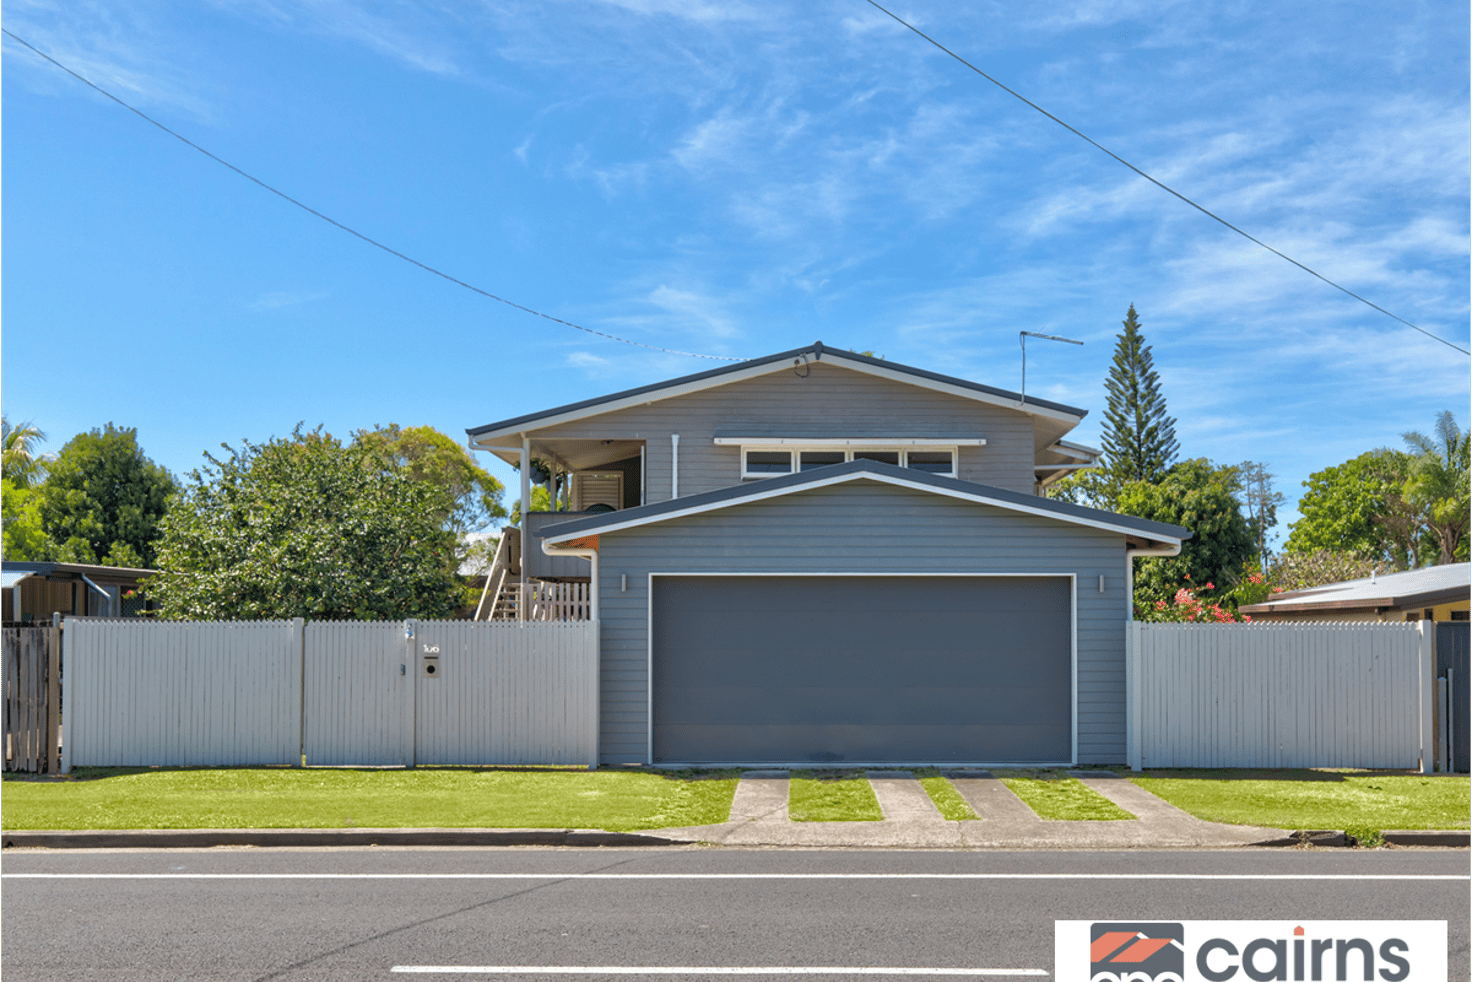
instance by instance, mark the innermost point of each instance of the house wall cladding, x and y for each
(335, 693)
(1283, 695)
(830, 401)
(863, 527)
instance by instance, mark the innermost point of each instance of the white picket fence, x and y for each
(1281, 695)
(335, 693)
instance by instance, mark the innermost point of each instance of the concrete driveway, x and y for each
(759, 817)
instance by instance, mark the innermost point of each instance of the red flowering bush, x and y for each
(1186, 607)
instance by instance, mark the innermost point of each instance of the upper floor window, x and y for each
(768, 462)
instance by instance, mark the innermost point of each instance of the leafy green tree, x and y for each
(541, 501)
(1303, 570)
(1198, 496)
(426, 454)
(24, 539)
(306, 527)
(20, 463)
(1359, 506)
(1437, 486)
(1139, 438)
(103, 499)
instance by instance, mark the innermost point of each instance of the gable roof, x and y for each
(772, 363)
(1413, 588)
(858, 470)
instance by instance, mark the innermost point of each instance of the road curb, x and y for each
(206, 838)
(1324, 838)
(1427, 837)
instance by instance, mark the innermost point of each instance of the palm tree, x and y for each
(19, 462)
(1439, 480)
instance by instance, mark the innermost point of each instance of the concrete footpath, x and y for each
(759, 817)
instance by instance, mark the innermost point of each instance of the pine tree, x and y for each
(1139, 438)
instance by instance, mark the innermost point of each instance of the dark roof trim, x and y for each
(817, 350)
(1409, 601)
(858, 470)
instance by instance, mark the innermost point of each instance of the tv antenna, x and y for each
(1022, 337)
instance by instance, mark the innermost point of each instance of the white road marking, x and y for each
(1294, 877)
(700, 970)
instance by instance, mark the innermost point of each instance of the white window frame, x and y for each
(848, 448)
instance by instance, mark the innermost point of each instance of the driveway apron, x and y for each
(759, 816)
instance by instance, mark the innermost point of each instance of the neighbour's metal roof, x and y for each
(861, 470)
(10, 578)
(817, 350)
(1413, 588)
(76, 569)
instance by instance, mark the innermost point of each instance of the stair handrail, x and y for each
(494, 578)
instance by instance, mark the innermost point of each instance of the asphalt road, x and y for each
(299, 914)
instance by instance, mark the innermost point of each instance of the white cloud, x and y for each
(275, 301)
(115, 46)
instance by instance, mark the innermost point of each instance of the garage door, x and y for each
(862, 669)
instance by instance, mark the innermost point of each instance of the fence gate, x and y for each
(451, 692)
(32, 710)
(358, 697)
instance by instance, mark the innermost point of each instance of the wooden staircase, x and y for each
(502, 598)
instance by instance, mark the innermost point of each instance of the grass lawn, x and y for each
(953, 807)
(1362, 803)
(832, 796)
(1058, 797)
(269, 798)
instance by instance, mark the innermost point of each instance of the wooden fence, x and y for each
(32, 699)
(1281, 695)
(331, 693)
(558, 601)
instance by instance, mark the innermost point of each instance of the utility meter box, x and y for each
(429, 661)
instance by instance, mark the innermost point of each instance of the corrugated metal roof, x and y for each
(1413, 588)
(714, 374)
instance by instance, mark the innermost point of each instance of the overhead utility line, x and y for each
(351, 231)
(1161, 185)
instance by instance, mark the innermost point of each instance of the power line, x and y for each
(351, 231)
(1159, 184)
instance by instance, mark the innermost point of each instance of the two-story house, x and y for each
(820, 557)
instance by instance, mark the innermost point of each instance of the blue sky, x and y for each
(731, 179)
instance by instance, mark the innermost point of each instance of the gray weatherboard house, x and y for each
(821, 557)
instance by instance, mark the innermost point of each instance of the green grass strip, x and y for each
(1056, 796)
(122, 798)
(832, 796)
(1363, 803)
(953, 807)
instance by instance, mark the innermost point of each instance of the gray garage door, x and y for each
(863, 669)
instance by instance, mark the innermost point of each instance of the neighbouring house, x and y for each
(1436, 593)
(34, 591)
(821, 557)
